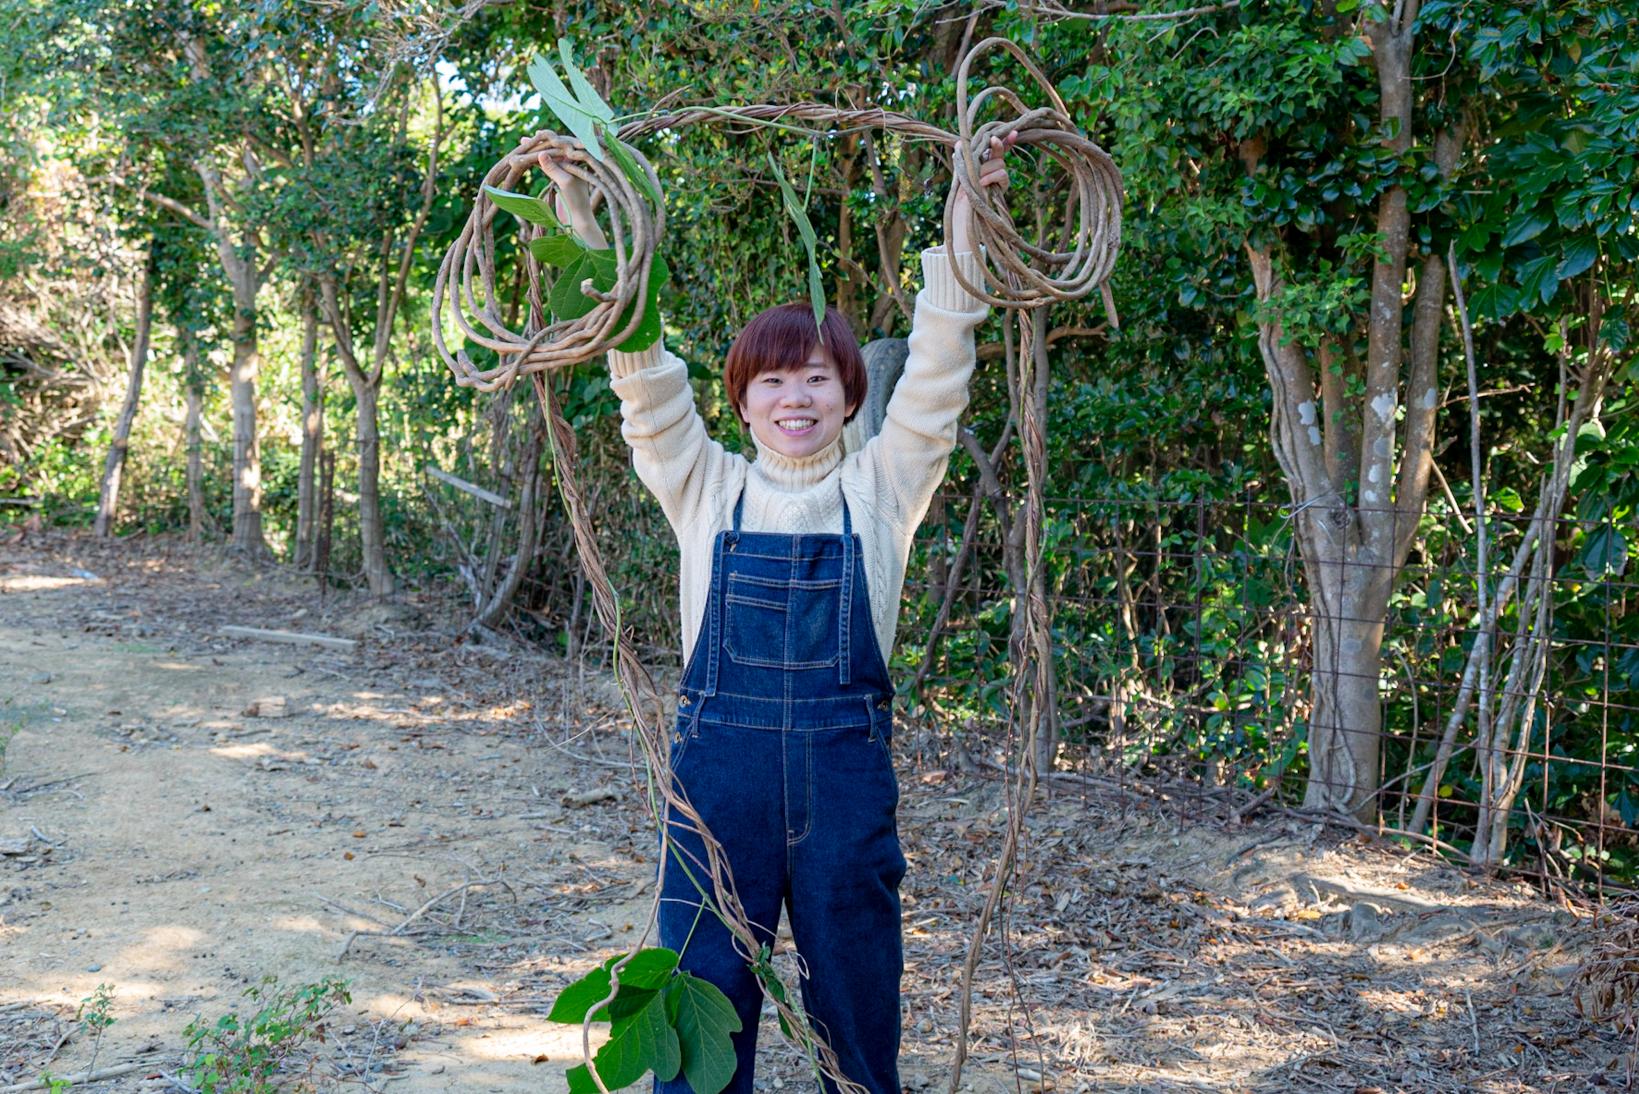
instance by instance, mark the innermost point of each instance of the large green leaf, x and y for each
(1527, 224)
(1536, 278)
(585, 94)
(575, 116)
(647, 971)
(567, 301)
(645, 1042)
(704, 1019)
(556, 250)
(532, 209)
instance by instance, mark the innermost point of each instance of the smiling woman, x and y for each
(791, 570)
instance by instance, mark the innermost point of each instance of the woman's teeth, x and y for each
(795, 425)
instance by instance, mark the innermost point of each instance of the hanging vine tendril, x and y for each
(1020, 274)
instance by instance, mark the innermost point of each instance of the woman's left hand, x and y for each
(992, 172)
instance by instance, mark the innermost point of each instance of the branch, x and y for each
(1422, 386)
(1422, 405)
(992, 350)
(164, 202)
(1295, 424)
(1057, 11)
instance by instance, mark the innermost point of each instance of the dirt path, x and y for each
(182, 815)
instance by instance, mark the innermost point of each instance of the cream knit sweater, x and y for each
(888, 483)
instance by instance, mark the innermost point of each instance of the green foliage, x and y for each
(661, 1020)
(243, 1055)
(1562, 84)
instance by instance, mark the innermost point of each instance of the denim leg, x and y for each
(844, 906)
(732, 777)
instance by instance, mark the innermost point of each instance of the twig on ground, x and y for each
(78, 1078)
(398, 931)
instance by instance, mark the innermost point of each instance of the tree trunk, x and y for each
(114, 465)
(194, 391)
(247, 456)
(312, 437)
(372, 542)
(1346, 719)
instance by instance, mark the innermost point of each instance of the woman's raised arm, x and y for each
(909, 456)
(671, 452)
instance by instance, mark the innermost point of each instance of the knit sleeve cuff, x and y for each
(626, 364)
(939, 279)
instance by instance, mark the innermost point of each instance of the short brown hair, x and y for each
(780, 340)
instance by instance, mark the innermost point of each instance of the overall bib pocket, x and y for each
(780, 624)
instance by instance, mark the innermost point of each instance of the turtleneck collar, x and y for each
(795, 475)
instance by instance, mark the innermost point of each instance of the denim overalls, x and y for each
(784, 723)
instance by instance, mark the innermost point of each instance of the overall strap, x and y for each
(739, 504)
(846, 588)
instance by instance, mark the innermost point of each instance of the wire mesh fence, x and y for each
(1186, 649)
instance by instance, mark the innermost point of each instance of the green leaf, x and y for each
(1536, 278)
(567, 301)
(1604, 552)
(704, 1019)
(816, 289)
(1527, 224)
(564, 105)
(524, 207)
(799, 215)
(764, 968)
(649, 329)
(629, 166)
(646, 1042)
(1579, 255)
(556, 250)
(585, 94)
(648, 970)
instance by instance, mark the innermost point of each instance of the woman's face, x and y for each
(798, 413)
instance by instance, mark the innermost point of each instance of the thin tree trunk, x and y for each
(114, 465)
(247, 456)
(529, 527)
(372, 540)
(194, 391)
(312, 437)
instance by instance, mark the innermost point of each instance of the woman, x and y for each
(790, 577)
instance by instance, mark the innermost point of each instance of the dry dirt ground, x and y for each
(183, 815)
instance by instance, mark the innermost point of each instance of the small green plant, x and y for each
(241, 1055)
(53, 1084)
(93, 1017)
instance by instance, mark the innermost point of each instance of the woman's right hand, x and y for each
(573, 203)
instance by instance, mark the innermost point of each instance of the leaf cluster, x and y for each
(662, 1020)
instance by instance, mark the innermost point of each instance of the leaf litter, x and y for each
(456, 828)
